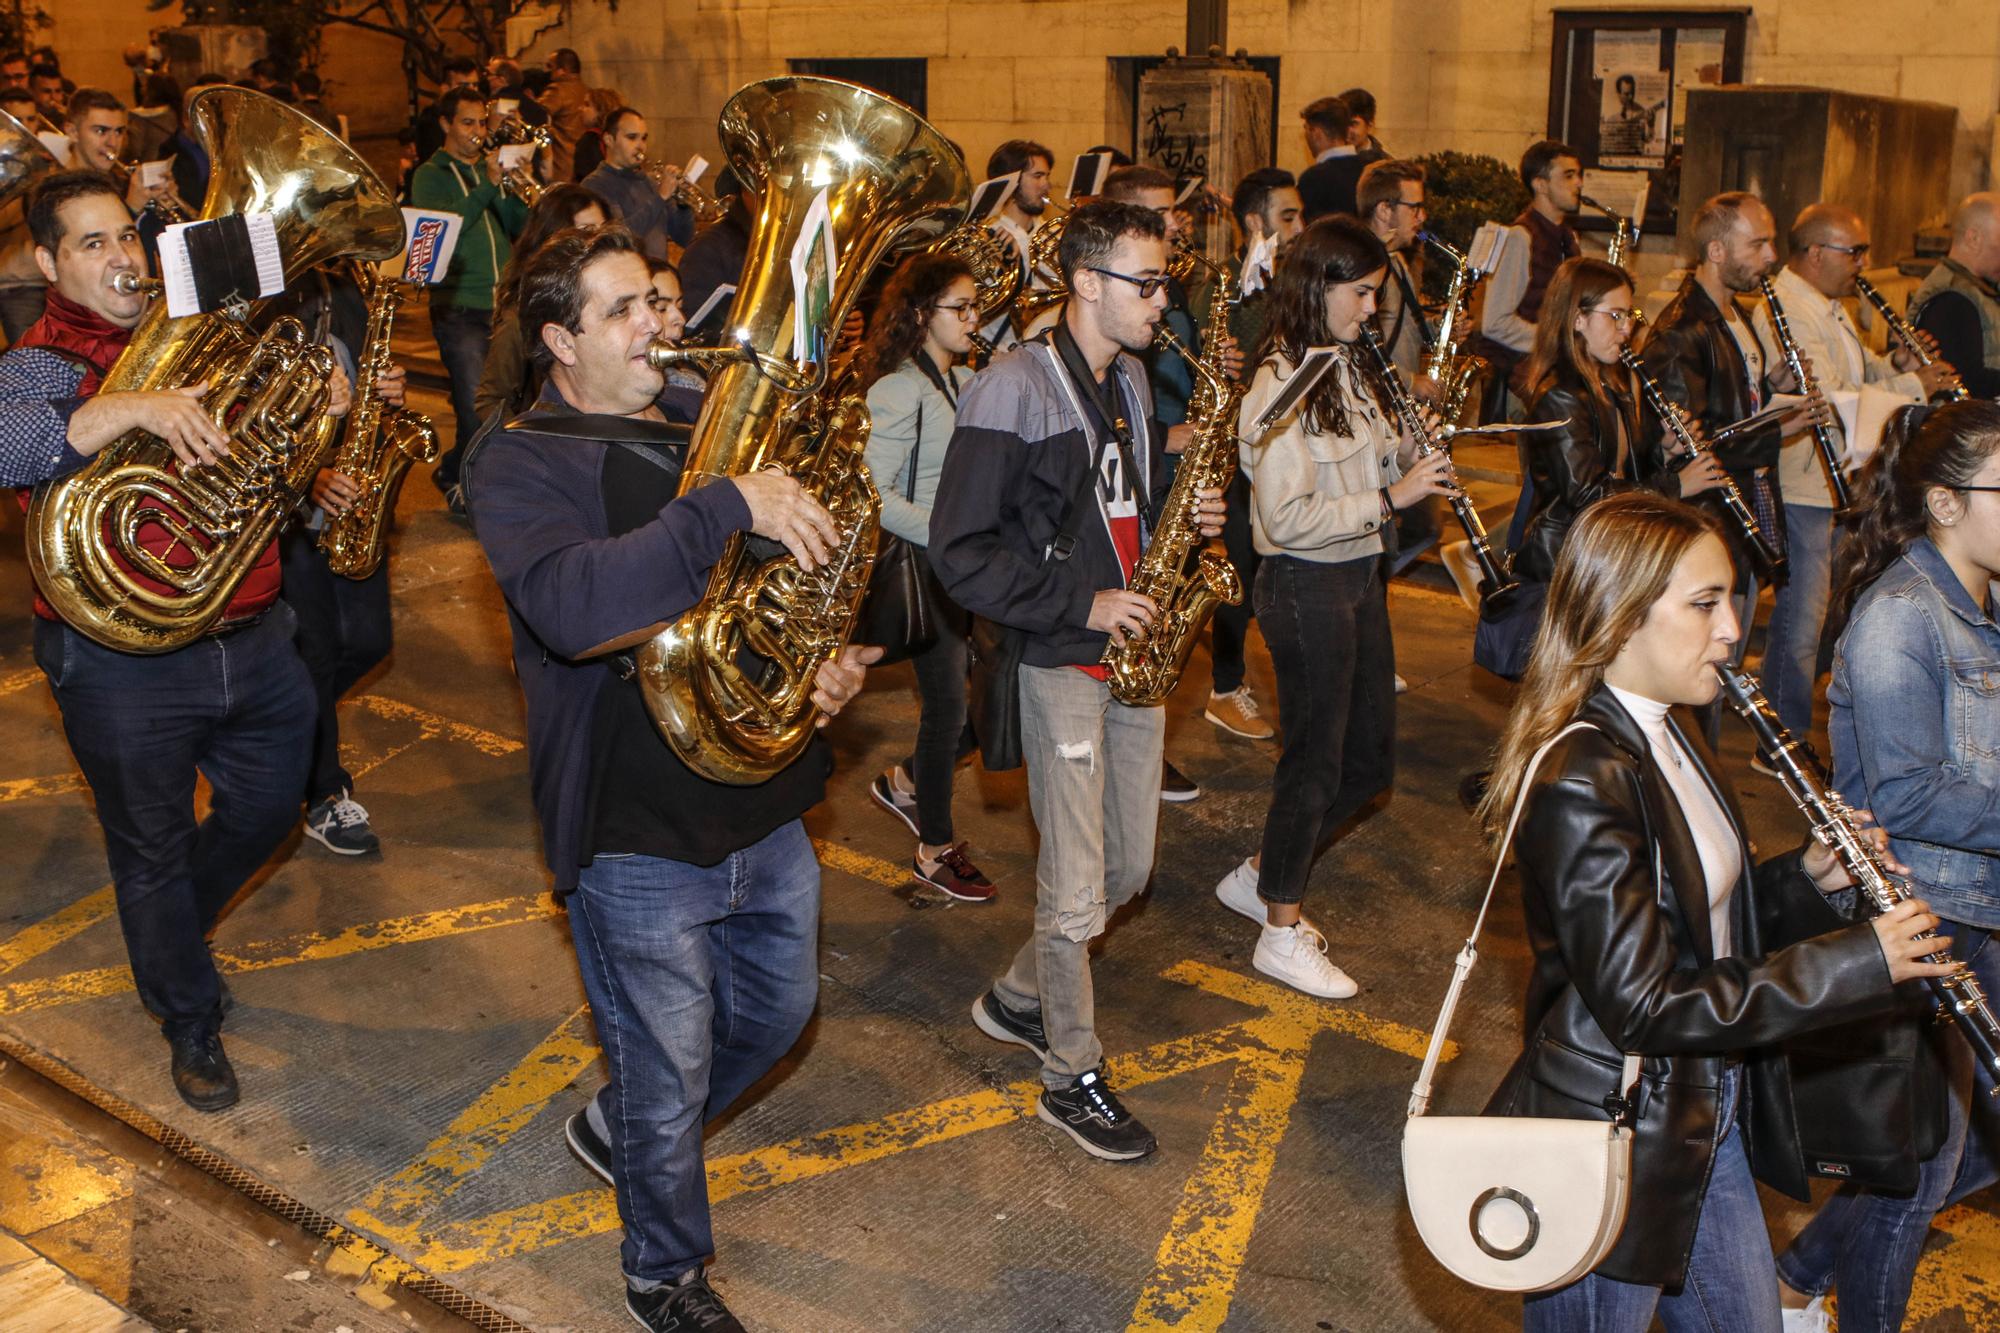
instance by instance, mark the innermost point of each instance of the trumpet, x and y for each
(1961, 999)
(1905, 334)
(166, 208)
(707, 209)
(521, 181)
(1766, 555)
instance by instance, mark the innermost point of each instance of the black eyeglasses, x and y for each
(1147, 286)
(1992, 489)
(1417, 204)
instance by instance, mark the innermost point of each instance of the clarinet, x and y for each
(1496, 590)
(1769, 558)
(1905, 334)
(1961, 999)
(1829, 457)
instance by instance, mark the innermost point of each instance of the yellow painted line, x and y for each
(46, 934)
(16, 681)
(288, 950)
(30, 789)
(434, 724)
(1963, 1276)
(834, 856)
(500, 1112)
(1305, 1012)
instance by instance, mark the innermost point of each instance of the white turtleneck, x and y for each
(1714, 836)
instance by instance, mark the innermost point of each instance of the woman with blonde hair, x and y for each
(1654, 933)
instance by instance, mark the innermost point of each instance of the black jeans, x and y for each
(1232, 623)
(238, 709)
(1327, 627)
(942, 736)
(463, 336)
(343, 633)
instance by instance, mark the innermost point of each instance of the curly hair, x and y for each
(904, 311)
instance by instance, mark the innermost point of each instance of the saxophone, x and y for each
(380, 444)
(1443, 366)
(1144, 669)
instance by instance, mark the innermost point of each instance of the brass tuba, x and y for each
(139, 552)
(24, 159)
(730, 682)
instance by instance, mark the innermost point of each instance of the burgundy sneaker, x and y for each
(957, 876)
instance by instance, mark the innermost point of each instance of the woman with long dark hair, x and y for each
(1915, 727)
(1654, 934)
(1325, 481)
(507, 382)
(922, 328)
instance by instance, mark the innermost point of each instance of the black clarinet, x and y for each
(1961, 999)
(1770, 560)
(1905, 335)
(1829, 456)
(1496, 589)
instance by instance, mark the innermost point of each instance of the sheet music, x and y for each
(708, 307)
(1312, 369)
(691, 173)
(1488, 244)
(514, 156)
(270, 260)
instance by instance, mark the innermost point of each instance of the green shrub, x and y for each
(1464, 190)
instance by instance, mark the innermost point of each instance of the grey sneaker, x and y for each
(340, 824)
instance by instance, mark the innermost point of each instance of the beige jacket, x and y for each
(1316, 497)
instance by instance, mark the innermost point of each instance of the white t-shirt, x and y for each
(1714, 836)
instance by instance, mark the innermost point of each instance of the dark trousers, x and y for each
(1232, 623)
(942, 738)
(236, 708)
(462, 339)
(1327, 627)
(20, 307)
(343, 634)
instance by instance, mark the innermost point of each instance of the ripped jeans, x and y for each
(1094, 787)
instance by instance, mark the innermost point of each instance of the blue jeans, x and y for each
(343, 634)
(700, 978)
(1865, 1246)
(1791, 640)
(463, 336)
(237, 708)
(1729, 1287)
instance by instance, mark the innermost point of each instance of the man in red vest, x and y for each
(236, 706)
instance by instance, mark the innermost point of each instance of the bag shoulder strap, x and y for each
(1420, 1093)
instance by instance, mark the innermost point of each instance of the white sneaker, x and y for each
(1402, 686)
(1813, 1319)
(1296, 955)
(1238, 891)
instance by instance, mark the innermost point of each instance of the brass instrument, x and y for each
(1045, 262)
(1145, 668)
(1961, 999)
(707, 209)
(730, 682)
(1624, 234)
(133, 284)
(1453, 374)
(1497, 590)
(138, 551)
(1768, 557)
(380, 445)
(166, 209)
(24, 159)
(996, 274)
(521, 181)
(1906, 335)
(1822, 433)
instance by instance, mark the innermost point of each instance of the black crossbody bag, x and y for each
(907, 608)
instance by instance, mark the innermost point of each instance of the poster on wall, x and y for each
(1632, 111)
(1697, 63)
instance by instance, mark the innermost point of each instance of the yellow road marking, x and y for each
(52, 930)
(288, 950)
(29, 789)
(1960, 1277)
(834, 856)
(16, 681)
(434, 724)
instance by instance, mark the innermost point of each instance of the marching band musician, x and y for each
(1325, 482)
(1828, 248)
(1958, 303)
(1390, 200)
(236, 705)
(1049, 491)
(1269, 217)
(1542, 239)
(693, 905)
(649, 208)
(97, 127)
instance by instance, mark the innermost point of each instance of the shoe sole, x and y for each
(1288, 981)
(219, 1102)
(907, 822)
(589, 1164)
(1238, 731)
(984, 1022)
(1104, 1154)
(320, 838)
(1178, 797)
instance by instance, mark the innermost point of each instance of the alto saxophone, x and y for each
(1443, 365)
(380, 444)
(1144, 668)
(1961, 999)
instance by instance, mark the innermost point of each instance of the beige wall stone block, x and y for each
(1491, 92)
(1039, 27)
(1878, 76)
(1803, 28)
(858, 30)
(973, 89)
(1449, 25)
(1970, 83)
(1321, 25)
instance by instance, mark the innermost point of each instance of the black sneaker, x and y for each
(687, 1306)
(202, 1073)
(884, 792)
(589, 1146)
(340, 824)
(1176, 785)
(999, 1022)
(1090, 1112)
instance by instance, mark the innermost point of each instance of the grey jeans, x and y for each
(1094, 787)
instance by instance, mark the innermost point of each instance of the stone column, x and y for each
(1210, 117)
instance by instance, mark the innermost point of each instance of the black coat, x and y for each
(1571, 468)
(1328, 187)
(1617, 916)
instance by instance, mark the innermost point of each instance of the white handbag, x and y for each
(1515, 1203)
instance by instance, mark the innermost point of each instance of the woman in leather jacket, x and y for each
(1915, 726)
(1650, 925)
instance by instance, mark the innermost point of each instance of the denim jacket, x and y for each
(1916, 729)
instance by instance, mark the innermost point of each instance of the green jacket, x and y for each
(492, 218)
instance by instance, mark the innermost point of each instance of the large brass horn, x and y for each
(24, 159)
(730, 682)
(138, 552)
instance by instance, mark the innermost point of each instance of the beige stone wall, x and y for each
(91, 36)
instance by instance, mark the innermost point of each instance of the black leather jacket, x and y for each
(1617, 916)
(1572, 468)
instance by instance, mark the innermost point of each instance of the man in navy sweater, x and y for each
(694, 906)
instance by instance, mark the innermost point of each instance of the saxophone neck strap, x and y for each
(602, 428)
(1101, 417)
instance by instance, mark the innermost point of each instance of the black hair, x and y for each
(1093, 232)
(448, 105)
(1360, 104)
(1014, 155)
(554, 212)
(1337, 249)
(551, 287)
(1541, 157)
(610, 128)
(461, 65)
(46, 200)
(1253, 193)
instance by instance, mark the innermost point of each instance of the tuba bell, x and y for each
(138, 551)
(730, 682)
(24, 159)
